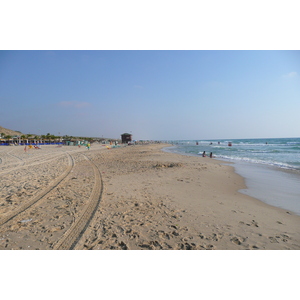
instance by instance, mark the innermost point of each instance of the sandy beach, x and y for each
(133, 197)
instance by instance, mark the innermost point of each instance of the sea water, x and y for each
(271, 167)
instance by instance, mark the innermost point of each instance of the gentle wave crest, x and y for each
(282, 153)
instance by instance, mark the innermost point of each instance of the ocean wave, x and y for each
(276, 153)
(262, 151)
(292, 166)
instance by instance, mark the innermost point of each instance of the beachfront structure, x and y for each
(10, 140)
(29, 140)
(126, 138)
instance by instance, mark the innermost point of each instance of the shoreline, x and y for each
(269, 184)
(151, 199)
(274, 186)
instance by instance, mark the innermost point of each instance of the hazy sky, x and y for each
(152, 94)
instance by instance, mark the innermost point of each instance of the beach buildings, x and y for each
(126, 138)
(29, 140)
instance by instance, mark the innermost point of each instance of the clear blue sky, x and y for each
(153, 94)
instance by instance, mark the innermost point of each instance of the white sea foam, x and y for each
(256, 161)
(282, 153)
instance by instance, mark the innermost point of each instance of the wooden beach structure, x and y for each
(126, 138)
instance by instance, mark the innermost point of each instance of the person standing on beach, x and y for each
(210, 155)
(203, 154)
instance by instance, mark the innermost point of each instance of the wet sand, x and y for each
(276, 187)
(133, 197)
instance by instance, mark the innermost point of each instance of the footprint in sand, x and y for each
(273, 239)
(253, 223)
(236, 241)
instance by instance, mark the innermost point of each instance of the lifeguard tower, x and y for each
(126, 138)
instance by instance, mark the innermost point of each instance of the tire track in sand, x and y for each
(75, 232)
(41, 195)
(19, 162)
(30, 163)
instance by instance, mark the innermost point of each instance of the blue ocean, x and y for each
(271, 167)
(282, 153)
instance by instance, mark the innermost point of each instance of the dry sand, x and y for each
(133, 197)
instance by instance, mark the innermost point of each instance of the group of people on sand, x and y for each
(31, 147)
(210, 155)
